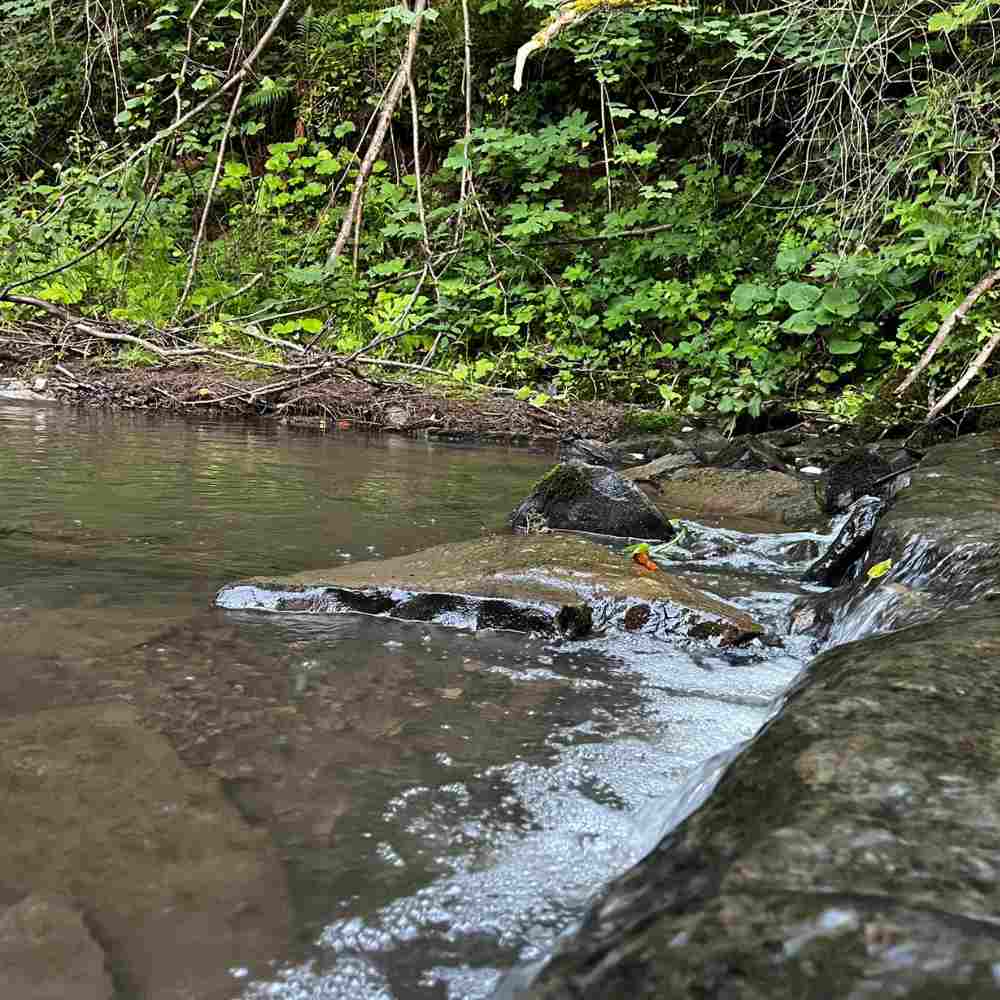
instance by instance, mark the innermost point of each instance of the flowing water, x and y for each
(442, 804)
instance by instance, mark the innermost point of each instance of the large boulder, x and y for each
(850, 851)
(46, 953)
(582, 497)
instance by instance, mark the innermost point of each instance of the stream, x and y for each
(443, 804)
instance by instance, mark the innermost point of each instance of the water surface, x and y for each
(442, 804)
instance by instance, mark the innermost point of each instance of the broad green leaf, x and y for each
(747, 295)
(791, 260)
(801, 322)
(799, 295)
(841, 301)
(843, 346)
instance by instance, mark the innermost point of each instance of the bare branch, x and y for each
(944, 330)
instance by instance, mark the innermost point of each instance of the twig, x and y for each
(378, 137)
(967, 376)
(226, 298)
(624, 234)
(103, 242)
(209, 198)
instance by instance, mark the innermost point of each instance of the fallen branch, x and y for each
(944, 330)
(968, 375)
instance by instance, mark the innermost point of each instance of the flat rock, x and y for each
(540, 572)
(46, 953)
(177, 886)
(769, 496)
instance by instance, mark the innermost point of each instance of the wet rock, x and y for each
(582, 497)
(752, 453)
(940, 539)
(35, 391)
(662, 467)
(800, 551)
(766, 496)
(861, 472)
(636, 617)
(836, 564)
(592, 452)
(46, 953)
(849, 851)
(575, 621)
(534, 575)
(176, 886)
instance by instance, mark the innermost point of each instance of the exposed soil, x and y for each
(453, 413)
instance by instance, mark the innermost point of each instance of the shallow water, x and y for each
(444, 804)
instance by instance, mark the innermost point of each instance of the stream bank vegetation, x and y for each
(685, 205)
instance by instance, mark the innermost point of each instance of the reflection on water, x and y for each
(443, 803)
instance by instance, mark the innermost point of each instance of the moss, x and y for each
(648, 422)
(563, 482)
(987, 402)
(885, 409)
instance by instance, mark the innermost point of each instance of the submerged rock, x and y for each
(835, 565)
(175, 885)
(850, 851)
(522, 582)
(46, 953)
(583, 497)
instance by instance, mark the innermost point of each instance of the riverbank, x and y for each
(453, 412)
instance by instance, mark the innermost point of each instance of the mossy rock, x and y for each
(582, 497)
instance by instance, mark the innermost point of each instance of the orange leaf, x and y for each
(644, 561)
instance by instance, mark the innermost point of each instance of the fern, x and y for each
(270, 93)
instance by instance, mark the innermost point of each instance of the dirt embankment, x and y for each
(448, 412)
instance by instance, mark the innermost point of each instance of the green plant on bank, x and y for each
(637, 223)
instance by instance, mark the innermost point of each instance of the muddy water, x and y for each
(399, 811)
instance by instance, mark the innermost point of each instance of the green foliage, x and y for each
(637, 222)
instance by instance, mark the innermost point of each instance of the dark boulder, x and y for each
(754, 454)
(862, 472)
(938, 546)
(835, 565)
(582, 497)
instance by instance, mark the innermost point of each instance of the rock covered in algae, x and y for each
(509, 581)
(581, 497)
(852, 850)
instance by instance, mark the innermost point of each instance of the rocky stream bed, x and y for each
(852, 847)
